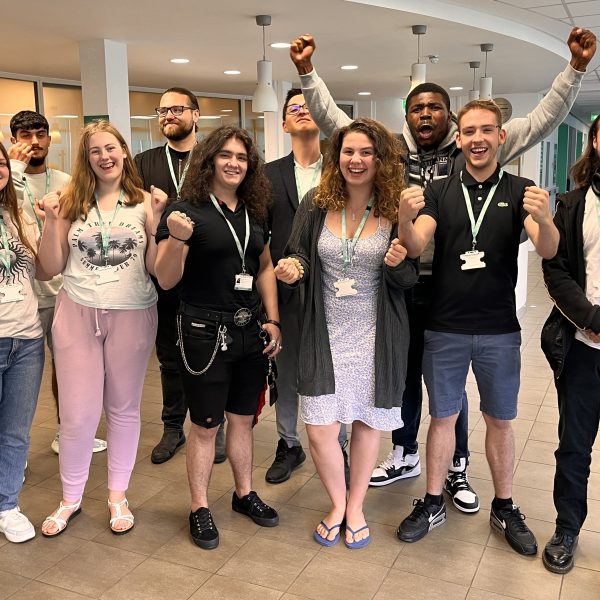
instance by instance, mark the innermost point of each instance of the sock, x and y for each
(431, 500)
(500, 503)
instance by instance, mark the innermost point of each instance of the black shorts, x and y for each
(235, 379)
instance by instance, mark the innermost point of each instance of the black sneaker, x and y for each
(421, 520)
(511, 523)
(203, 529)
(220, 447)
(346, 464)
(559, 553)
(286, 460)
(459, 489)
(252, 506)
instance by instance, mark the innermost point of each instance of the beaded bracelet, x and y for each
(298, 266)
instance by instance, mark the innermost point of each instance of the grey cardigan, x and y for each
(315, 365)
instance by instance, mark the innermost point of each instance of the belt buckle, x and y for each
(242, 317)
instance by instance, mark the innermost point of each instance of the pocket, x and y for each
(199, 329)
(198, 343)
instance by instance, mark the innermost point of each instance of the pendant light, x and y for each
(418, 71)
(474, 92)
(264, 99)
(485, 84)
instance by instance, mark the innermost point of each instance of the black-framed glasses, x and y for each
(176, 111)
(294, 109)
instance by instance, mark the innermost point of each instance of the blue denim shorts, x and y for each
(496, 362)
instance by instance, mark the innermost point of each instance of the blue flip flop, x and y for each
(360, 543)
(323, 540)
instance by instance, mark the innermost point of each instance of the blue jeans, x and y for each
(21, 366)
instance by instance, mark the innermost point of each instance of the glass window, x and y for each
(15, 95)
(255, 125)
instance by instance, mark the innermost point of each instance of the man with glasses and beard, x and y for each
(165, 168)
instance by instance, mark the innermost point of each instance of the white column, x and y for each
(276, 143)
(105, 82)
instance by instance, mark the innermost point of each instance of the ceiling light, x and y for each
(232, 72)
(364, 93)
(226, 110)
(264, 99)
(209, 117)
(180, 61)
(349, 67)
(67, 116)
(144, 117)
(455, 88)
(485, 83)
(473, 92)
(418, 70)
(280, 45)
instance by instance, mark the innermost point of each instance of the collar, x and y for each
(177, 153)
(312, 166)
(447, 141)
(470, 181)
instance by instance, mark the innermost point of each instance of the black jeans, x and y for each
(174, 402)
(418, 301)
(578, 390)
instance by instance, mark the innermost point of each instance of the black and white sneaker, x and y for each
(459, 489)
(421, 520)
(396, 466)
(511, 523)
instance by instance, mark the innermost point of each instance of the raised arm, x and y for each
(538, 224)
(54, 247)
(524, 133)
(414, 233)
(173, 250)
(154, 203)
(326, 114)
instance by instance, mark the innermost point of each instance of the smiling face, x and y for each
(179, 127)
(231, 165)
(428, 119)
(106, 156)
(357, 159)
(298, 121)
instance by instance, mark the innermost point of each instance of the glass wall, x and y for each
(255, 125)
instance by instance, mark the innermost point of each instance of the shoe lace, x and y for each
(418, 511)
(459, 480)
(281, 454)
(517, 519)
(388, 463)
(256, 502)
(204, 520)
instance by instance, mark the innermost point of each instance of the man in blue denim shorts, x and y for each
(477, 216)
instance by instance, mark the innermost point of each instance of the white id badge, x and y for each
(243, 282)
(106, 275)
(472, 260)
(344, 288)
(11, 293)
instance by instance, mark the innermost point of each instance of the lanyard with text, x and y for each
(243, 281)
(5, 253)
(105, 229)
(32, 199)
(473, 258)
(179, 185)
(313, 182)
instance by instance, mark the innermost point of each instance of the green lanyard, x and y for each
(241, 252)
(177, 185)
(313, 182)
(361, 226)
(5, 253)
(32, 199)
(475, 226)
(105, 229)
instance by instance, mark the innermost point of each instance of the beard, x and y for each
(37, 161)
(179, 132)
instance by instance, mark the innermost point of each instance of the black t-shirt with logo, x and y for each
(475, 301)
(213, 260)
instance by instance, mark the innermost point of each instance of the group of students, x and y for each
(353, 249)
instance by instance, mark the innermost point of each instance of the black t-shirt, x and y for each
(213, 260)
(476, 301)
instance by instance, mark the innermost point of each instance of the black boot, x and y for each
(559, 553)
(170, 442)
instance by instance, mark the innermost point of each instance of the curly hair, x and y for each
(78, 196)
(255, 189)
(589, 163)
(389, 181)
(8, 201)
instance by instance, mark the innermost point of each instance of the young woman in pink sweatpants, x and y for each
(99, 233)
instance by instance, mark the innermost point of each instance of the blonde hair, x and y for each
(78, 196)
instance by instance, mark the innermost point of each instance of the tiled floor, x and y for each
(462, 559)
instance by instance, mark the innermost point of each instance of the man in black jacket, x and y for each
(571, 342)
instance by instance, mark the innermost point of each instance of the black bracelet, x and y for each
(178, 239)
(274, 322)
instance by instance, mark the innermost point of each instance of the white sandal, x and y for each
(56, 519)
(120, 517)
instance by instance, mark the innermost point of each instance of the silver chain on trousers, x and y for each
(220, 341)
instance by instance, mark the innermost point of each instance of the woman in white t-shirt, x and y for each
(21, 351)
(98, 233)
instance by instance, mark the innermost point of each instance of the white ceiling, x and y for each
(529, 38)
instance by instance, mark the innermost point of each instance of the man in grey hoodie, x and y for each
(429, 152)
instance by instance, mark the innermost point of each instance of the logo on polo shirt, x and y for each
(503, 204)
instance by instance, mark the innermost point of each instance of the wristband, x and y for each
(178, 239)
(274, 322)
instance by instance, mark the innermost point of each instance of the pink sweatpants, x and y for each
(95, 371)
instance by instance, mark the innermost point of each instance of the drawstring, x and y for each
(98, 332)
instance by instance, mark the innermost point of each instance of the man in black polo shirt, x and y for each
(477, 216)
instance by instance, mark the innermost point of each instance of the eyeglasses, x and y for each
(485, 130)
(294, 109)
(176, 111)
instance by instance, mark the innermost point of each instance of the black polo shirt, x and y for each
(213, 260)
(476, 301)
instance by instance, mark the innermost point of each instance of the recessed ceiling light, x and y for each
(364, 93)
(180, 61)
(226, 110)
(232, 72)
(349, 67)
(144, 117)
(280, 45)
(456, 88)
(67, 116)
(209, 117)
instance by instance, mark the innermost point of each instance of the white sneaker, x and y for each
(458, 487)
(16, 526)
(396, 466)
(99, 445)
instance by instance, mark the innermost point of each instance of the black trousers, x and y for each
(578, 390)
(174, 402)
(418, 301)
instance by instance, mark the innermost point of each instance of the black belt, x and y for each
(242, 317)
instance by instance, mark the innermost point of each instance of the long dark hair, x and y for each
(589, 163)
(255, 189)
